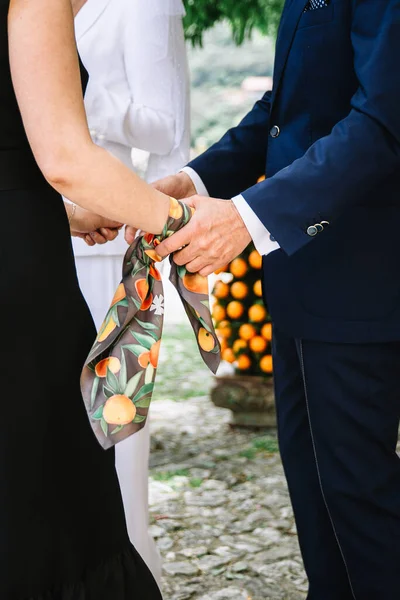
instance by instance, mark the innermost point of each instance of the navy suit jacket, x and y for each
(336, 102)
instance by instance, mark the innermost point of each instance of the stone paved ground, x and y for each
(219, 504)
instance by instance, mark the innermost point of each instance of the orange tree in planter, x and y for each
(242, 322)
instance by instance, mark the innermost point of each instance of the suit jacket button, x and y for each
(319, 227)
(275, 131)
(312, 231)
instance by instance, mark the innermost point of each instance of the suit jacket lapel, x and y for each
(88, 15)
(290, 19)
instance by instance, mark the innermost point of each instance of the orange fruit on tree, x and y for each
(106, 329)
(243, 362)
(119, 410)
(258, 344)
(195, 283)
(221, 290)
(247, 331)
(266, 331)
(228, 355)
(239, 345)
(119, 295)
(235, 309)
(239, 290)
(175, 209)
(155, 353)
(238, 267)
(225, 329)
(255, 259)
(218, 312)
(223, 343)
(266, 363)
(257, 313)
(224, 269)
(257, 288)
(112, 363)
(142, 288)
(206, 340)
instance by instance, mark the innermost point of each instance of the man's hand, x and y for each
(215, 235)
(178, 186)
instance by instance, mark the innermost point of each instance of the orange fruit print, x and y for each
(147, 302)
(155, 273)
(151, 356)
(155, 353)
(119, 410)
(111, 363)
(175, 209)
(119, 295)
(194, 282)
(206, 340)
(106, 329)
(142, 288)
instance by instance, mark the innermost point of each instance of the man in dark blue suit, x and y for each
(328, 139)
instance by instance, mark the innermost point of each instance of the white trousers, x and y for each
(99, 277)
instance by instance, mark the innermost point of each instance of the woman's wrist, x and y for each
(70, 209)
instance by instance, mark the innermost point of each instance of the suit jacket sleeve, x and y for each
(362, 150)
(238, 159)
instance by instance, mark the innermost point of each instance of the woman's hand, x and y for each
(90, 227)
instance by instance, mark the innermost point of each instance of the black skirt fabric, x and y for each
(62, 528)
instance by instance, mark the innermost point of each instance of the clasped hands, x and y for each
(90, 227)
(215, 235)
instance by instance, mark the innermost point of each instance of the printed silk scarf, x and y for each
(118, 377)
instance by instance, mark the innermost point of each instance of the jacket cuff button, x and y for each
(312, 231)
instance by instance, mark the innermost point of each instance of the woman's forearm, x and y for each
(46, 78)
(102, 184)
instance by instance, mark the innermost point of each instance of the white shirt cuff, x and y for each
(197, 181)
(260, 235)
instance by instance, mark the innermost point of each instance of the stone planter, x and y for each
(250, 398)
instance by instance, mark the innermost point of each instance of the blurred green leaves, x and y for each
(243, 16)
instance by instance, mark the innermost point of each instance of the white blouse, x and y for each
(138, 91)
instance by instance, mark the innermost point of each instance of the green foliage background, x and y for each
(243, 16)
(217, 73)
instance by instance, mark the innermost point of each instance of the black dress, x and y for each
(62, 527)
